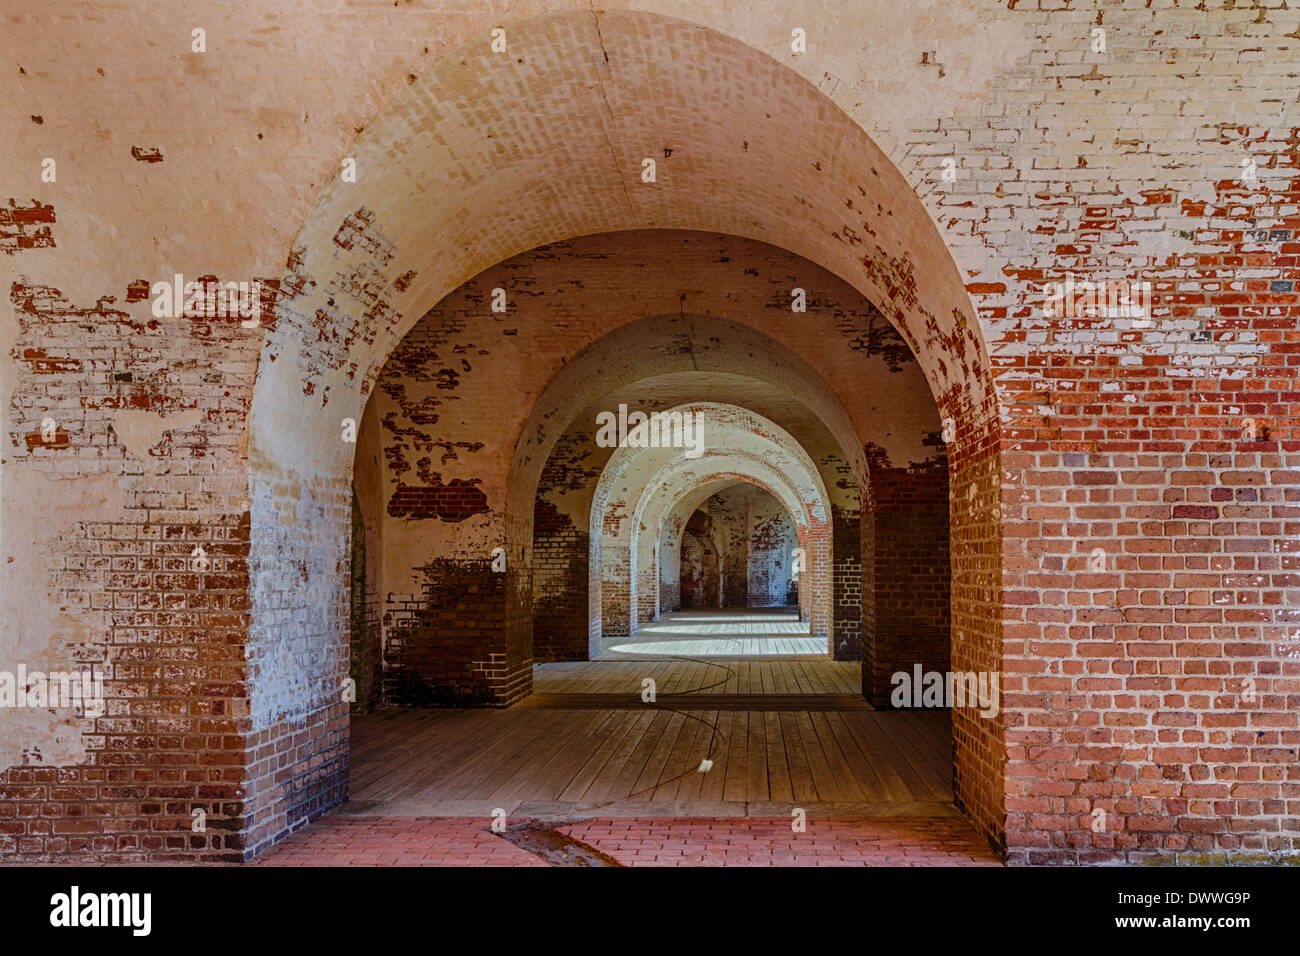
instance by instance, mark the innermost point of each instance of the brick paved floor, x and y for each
(644, 841)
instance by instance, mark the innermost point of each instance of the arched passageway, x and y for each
(757, 535)
(700, 568)
(762, 546)
(468, 388)
(639, 486)
(640, 455)
(649, 208)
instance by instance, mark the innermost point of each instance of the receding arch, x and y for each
(663, 549)
(672, 537)
(671, 532)
(364, 268)
(709, 592)
(427, 158)
(680, 489)
(667, 343)
(647, 548)
(738, 441)
(608, 599)
(664, 360)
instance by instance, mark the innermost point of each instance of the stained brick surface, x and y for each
(1155, 683)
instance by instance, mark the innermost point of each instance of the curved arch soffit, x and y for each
(653, 546)
(729, 430)
(426, 157)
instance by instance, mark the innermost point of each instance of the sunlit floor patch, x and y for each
(720, 633)
(748, 647)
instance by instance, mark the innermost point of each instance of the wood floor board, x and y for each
(791, 731)
(603, 786)
(778, 769)
(802, 787)
(616, 730)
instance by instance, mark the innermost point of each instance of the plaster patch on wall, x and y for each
(140, 431)
(40, 629)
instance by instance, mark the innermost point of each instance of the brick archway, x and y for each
(642, 543)
(362, 265)
(636, 485)
(671, 536)
(674, 357)
(708, 592)
(182, 518)
(813, 535)
(665, 545)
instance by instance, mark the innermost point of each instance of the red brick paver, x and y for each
(748, 841)
(397, 841)
(641, 841)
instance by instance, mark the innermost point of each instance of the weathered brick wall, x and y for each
(146, 559)
(735, 549)
(851, 582)
(560, 552)
(441, 648)
(26, 226)
(759, 546)
(700, 571)
(297, 759)
(909, 521)
(366, 597)
(444, 367)
(561, 543)
(1149, 534)
(1126, 688)
(689, 534)
(771, 554)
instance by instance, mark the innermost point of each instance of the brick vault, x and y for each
(989, 342)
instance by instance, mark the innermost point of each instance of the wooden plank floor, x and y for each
(780, 734)
(720, 632)
(751, 676)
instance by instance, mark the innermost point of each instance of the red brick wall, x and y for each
(169, 617)
(560, 574)
(297, 738)
(850, 611)
(1126, 686)
(448, 647)
(26, 227)
(912, 574)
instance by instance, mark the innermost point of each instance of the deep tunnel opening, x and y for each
(495, 629)
(737, 499)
